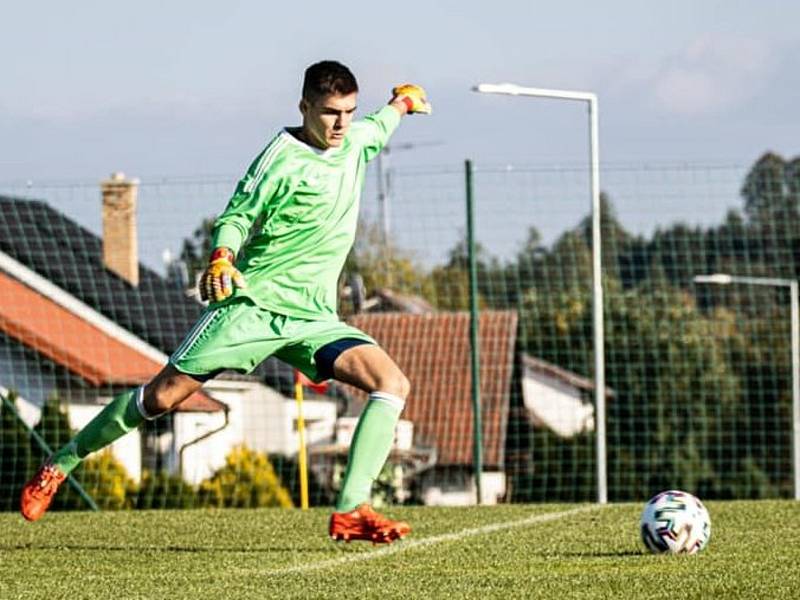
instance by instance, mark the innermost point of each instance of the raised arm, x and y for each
(373, 132)
(409, 98)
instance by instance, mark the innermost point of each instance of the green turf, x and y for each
(596, 553)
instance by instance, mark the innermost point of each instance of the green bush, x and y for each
(162, 490)
(105, 479)
(16, 462)
(247, 480)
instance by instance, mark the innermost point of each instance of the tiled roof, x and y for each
(72, 342)
(433, 351)
(65, 338)
(71, 257)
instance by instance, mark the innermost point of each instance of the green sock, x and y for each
(369, 449)
(114, 421)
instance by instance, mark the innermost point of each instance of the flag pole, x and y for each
(301, 431)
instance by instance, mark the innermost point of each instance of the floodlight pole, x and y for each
(794, 303)
(597, 282)
(384, 191)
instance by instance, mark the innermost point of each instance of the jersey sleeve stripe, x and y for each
(266, 160)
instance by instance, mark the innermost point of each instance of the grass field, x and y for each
(548, 551)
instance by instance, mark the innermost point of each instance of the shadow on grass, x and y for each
(176, 549)
(610, 554)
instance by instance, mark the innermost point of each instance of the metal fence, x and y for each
(701, 374)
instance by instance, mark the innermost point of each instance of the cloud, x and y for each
(714, 73)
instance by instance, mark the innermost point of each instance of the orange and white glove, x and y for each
(220, 276)
(414, 97)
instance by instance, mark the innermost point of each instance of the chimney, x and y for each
(120, 250)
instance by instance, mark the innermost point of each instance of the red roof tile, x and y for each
(433, 351)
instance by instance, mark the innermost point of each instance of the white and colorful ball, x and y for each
(675, 522)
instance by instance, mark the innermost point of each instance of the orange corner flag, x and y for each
(320, 388)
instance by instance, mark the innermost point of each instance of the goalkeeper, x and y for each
(279, 248)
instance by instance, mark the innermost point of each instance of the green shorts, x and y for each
(240, 335)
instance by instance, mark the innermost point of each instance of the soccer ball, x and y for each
(675, 522)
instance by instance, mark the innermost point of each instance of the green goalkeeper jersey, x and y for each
(301, 204)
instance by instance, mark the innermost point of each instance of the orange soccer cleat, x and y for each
(39, 491)
(364, 523)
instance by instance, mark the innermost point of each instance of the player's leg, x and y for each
(335, 350)
(206, 350)
(369, 368)
(124, 414)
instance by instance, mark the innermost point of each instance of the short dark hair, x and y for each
(328, 77)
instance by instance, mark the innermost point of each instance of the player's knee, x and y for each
(168, 389)
(396, 383)
(405, 386)
(159, 399)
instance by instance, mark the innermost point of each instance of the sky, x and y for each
(178, 89)
(196, 88)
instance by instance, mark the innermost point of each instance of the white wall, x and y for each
(458, 489)
(556, 405)
(403, 433)
(259, 417)
(320, 422)
(200, 460)
(271, 421)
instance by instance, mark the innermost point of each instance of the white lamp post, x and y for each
(725, 279)
(511, 89)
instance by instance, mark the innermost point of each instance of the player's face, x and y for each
(327, 119)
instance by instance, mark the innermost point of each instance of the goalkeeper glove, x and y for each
(414, 97)
(220, 276)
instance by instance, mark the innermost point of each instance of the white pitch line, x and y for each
(403, 546)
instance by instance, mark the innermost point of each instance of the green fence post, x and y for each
(475, 361)
(43, 445)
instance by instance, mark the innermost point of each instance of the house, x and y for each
(73, 328)
(82, 319)
(47, 350)
(557, 399)
(550, 439)
(257, 415)
(433, 350)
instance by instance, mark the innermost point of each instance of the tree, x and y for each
(106, 480)
(16, 462)
(162, 490)
(771, 193)
(196, 249)
(287, 469)
(382, 264)
(770, 190)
